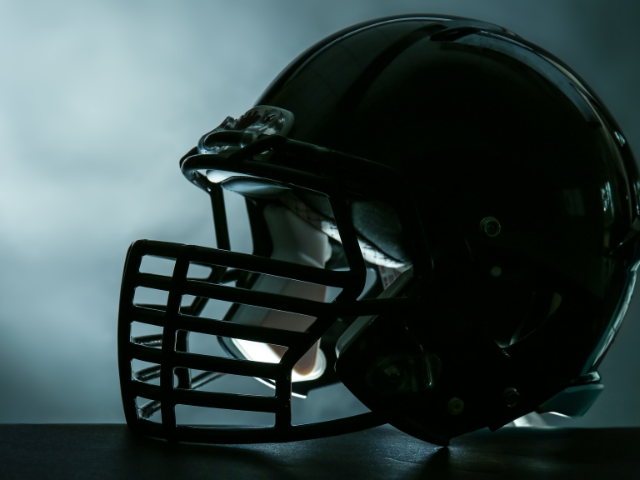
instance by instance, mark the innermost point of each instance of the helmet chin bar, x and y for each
(169, 350)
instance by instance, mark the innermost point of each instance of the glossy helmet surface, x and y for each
(481, 206)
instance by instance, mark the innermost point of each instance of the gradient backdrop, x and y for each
(99, 100)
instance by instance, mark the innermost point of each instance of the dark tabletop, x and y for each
(86, 451)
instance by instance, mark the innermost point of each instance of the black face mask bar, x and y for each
(333, 174)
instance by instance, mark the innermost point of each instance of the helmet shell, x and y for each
(483, 124)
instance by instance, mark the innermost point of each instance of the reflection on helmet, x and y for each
(440, 209)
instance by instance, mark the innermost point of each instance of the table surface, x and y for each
(89, 451)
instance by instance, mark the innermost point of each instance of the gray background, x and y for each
(99, 100)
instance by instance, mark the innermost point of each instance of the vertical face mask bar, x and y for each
(219, 217)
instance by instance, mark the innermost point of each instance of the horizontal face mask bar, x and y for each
(169, 349)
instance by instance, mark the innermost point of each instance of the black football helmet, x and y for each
(442, 211)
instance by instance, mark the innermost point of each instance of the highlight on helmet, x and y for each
(444, 219)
